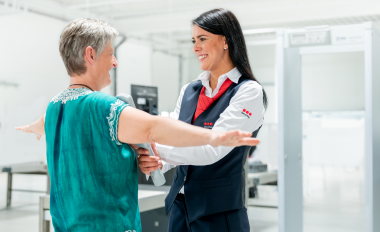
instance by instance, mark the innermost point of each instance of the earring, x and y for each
(225, 48)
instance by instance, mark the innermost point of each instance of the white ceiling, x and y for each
(169, 21)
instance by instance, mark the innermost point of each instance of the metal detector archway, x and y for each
(291, 45)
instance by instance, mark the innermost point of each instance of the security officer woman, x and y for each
(208, 190)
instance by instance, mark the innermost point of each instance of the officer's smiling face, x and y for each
(209, 48)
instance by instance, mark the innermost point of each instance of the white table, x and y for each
(148, 200)
(258, 178)
(32, 168)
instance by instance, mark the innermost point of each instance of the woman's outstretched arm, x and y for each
(37, 127)
(136, 126)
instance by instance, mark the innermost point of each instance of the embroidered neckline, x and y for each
(71, 95)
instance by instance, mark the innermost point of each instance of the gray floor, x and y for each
(333, 202)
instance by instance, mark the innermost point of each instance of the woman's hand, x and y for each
(148, 163)
(233, 138)
(37, 127)
(28, 129)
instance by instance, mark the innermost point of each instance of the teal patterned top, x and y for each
(93, 175)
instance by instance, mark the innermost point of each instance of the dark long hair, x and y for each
(224, 22)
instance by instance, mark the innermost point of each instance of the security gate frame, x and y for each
(289, 90)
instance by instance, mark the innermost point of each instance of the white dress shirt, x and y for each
(249, 97)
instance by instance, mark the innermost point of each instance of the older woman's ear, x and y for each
(90, 55)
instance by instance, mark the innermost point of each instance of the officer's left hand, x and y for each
(148, 163)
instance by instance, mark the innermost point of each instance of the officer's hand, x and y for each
(148, 163)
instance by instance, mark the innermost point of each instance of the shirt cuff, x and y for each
(166, 166)
(165, 153)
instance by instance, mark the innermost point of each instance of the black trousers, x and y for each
(230, 221)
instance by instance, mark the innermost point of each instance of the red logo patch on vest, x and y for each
(208, 125)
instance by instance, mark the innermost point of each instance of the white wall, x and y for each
(29, 58)
(134, 66)
(191, 67)
(166, 76)
(263, 60)
(333, 82)
(334, 139)
(333, 90)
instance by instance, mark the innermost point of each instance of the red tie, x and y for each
(204, 102)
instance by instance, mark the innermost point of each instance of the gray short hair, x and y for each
(77, 36)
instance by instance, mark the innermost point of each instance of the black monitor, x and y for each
(145, 98)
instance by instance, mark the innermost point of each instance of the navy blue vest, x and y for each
(218, 187)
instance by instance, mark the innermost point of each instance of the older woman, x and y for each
(92, 168)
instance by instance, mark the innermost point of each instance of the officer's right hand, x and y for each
(148, 163)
